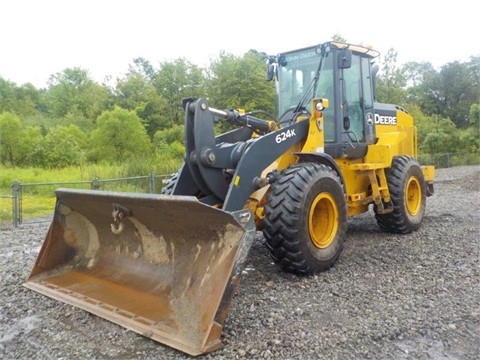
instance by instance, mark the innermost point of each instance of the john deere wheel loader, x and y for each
(167, 265)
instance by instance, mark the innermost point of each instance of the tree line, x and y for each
(75, 120)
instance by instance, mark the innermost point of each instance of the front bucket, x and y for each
(163, 266)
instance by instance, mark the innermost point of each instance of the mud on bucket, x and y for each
(163, 266)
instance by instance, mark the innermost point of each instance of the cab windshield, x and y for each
(296, 79)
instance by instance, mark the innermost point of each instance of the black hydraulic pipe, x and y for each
(233, 116)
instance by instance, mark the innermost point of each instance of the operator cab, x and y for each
(341, 73)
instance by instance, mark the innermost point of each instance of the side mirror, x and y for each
(344, 58)
(270, 72)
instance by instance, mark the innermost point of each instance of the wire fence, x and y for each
(35, 202)
(446, 160)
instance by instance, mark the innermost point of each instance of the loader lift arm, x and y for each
(213, 162)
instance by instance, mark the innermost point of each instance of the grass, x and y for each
(5, 208)
(85, 172)
(37, 206)
(39, 201)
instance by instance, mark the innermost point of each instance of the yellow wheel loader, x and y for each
(167, 265)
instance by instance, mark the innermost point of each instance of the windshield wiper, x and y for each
(311, 88)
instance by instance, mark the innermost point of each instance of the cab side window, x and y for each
(353, 96)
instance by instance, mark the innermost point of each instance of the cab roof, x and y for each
(355, 48)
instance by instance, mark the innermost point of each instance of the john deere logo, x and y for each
(369, 118)
(385, 120)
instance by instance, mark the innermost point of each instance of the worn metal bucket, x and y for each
(163, 266)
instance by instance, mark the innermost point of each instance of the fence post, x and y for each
(152, 184)
(95, 184)
(16, 191)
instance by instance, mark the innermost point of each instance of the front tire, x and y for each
(408, 195)
(305, 220)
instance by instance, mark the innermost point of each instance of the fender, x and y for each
(321, 158)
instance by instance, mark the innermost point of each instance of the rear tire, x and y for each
(408, 195)
(305, 220)
(168, 186)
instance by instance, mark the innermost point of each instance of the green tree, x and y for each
(168, 143)
(170, 135)
(391, 82)
(134, 92)
(469, 141)
(239, 82)
(338, 38)
(32, 147)
(72, 90)
(46, 122)
(475, 116)
(142, 67)
(64, 146)
(416, 74)
(10, 136)
(119, 136)
(75, 117)
(472, 135)
(452, 91)
(177, 80)
(443, 138)
(30, 100)
(424, 123)
(154, 114)
(22, 101)
(7, 95)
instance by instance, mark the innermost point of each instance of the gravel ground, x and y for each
(388, 297)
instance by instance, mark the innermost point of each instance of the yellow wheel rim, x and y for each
(413, 196)
(323, 220)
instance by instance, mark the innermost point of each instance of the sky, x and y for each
(42, 37)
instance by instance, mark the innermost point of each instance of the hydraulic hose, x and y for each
(234, 117)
